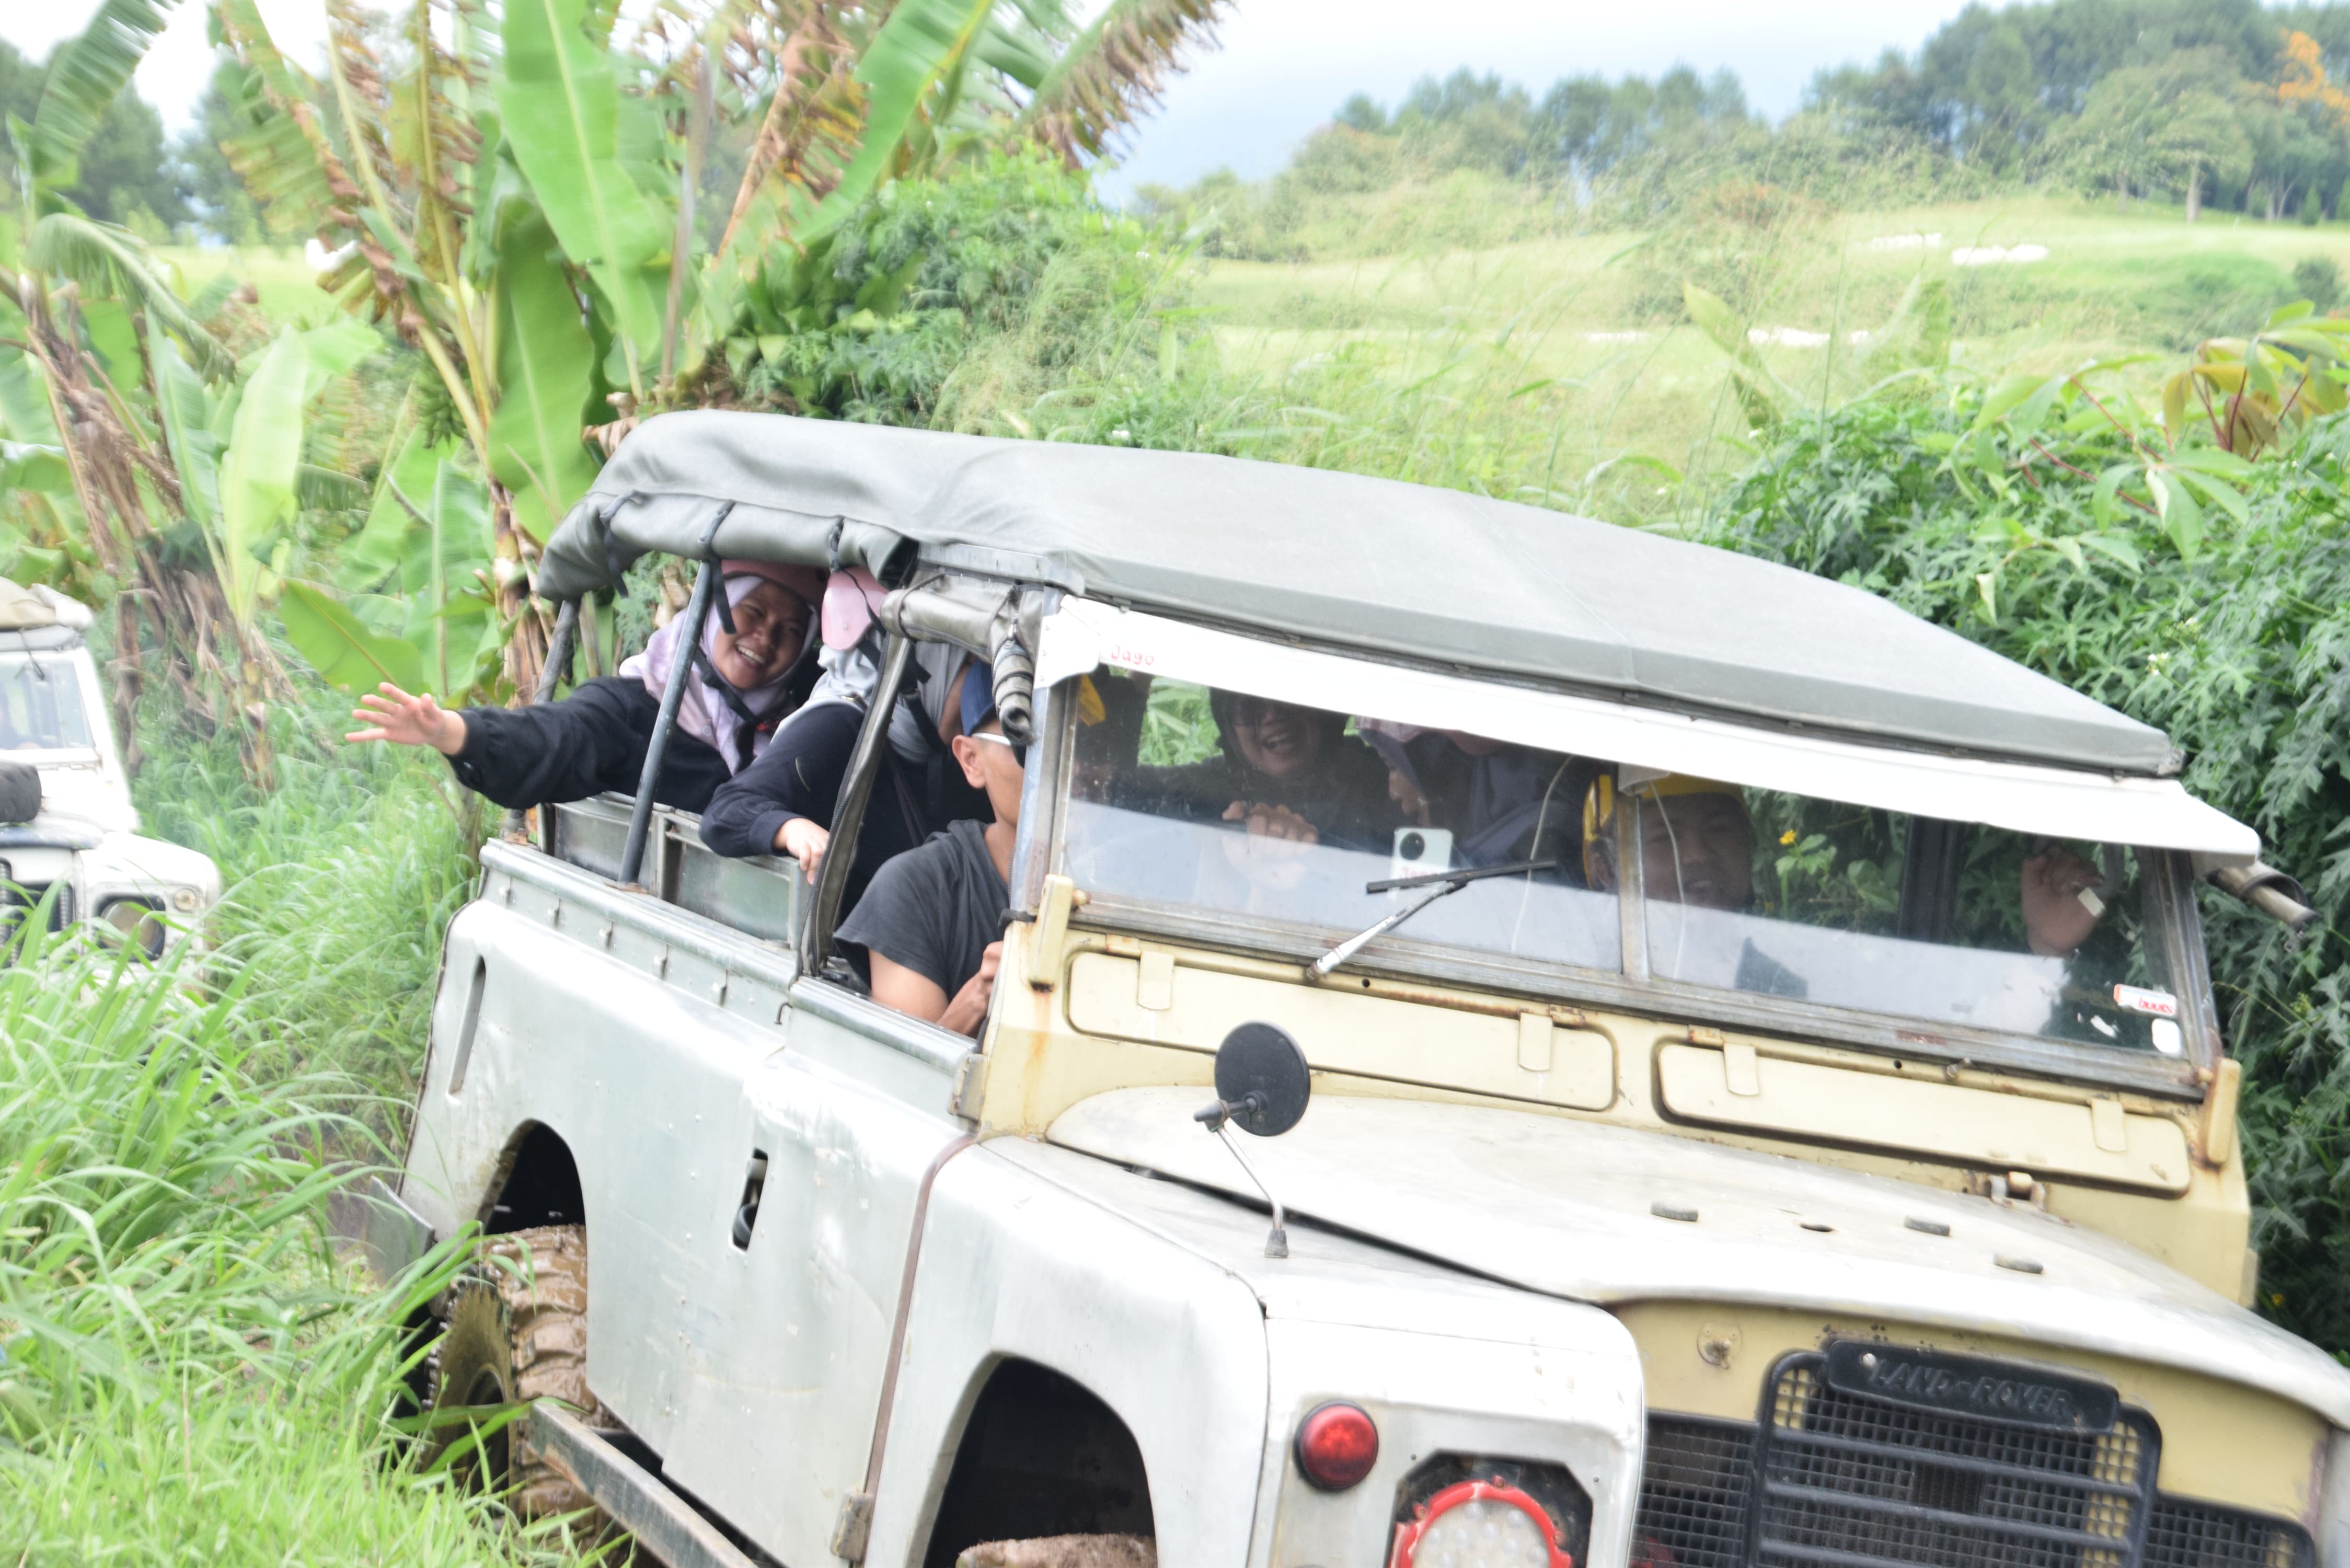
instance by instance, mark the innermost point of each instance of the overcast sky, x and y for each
(1285, 64)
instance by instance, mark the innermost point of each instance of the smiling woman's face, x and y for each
(1276, 738)
(771, 625)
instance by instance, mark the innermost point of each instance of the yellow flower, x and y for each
(1787, 838)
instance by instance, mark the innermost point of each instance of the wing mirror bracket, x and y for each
(1263, 1086)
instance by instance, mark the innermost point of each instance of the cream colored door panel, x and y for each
(1519, 1057)
(1977, 1127)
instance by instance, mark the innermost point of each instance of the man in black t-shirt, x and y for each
(932, 922)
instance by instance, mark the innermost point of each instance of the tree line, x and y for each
(2208, 103)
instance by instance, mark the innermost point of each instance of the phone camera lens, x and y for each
(1411, 846)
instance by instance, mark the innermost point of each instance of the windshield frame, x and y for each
(72, 663)
(1043, 849)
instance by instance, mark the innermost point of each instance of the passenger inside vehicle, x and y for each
(1200, 821)
(1500, 803)
(743, 683)
(1743, 889)
(1698, 849)
(784, 802)
(1839, 907)
(1280, 771)
(932, 922)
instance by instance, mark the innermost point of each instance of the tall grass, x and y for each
(340, 882)
(189, 1368)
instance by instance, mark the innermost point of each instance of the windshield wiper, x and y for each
(1442, 883)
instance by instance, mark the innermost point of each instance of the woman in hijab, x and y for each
(784, 802)
(742, 685)
(1283, 771)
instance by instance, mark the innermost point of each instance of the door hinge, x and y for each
(854, 1524)
(969, 1086)
(1050, 932)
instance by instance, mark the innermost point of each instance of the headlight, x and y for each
(1479, 1524)
(138, 921)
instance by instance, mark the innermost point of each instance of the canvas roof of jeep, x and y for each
(1379, 566)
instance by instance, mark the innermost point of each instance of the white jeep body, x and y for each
(84, 842)
(1861, 1245)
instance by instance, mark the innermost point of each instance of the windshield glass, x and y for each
(40, 704)
(1241, 804)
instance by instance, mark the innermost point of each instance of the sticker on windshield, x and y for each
(2167, 1038)
(2153, 1003)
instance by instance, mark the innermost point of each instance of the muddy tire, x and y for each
(518, 1331)
(1063, 1551)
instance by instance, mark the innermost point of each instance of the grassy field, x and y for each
(288, 288)
(1583, 343)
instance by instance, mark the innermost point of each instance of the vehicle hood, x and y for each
(84, 793)
(1568, 1208)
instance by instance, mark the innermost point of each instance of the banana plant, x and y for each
(116, 393)
(511, 193)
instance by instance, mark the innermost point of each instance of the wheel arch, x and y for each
(1018, 1268)
(1036, 1453)
(536, 1181)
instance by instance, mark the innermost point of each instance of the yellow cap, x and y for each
(1599, 803)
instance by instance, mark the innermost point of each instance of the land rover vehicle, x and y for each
(75, 848)
(1827, 1223)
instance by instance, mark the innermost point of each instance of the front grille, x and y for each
(2195, 1535)
(1693, 1490)
(1836, 1477)
(1853, 1480)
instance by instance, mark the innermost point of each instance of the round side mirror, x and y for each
(1261, 1073)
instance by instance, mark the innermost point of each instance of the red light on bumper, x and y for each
(1337, 1445)
(1480, 1524)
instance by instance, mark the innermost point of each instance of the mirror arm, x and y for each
(1276, 1241)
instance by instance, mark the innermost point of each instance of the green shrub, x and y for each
(2240, 652)
(2180, 300)
(870, 321)
(2318, 280)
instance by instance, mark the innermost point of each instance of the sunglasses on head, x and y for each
(1019, 753)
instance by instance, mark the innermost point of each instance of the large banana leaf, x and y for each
(336, 349)
(560, 107)
(448, 606)
(402, 491)
(24, 414)
(545, 361)
(279, 150)
(186, 416)
(84, 78)
(257, 481)
(924, 45)
(1110, 72)
(342, 651)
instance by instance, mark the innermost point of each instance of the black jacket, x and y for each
(592, 740)
(799, 774)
